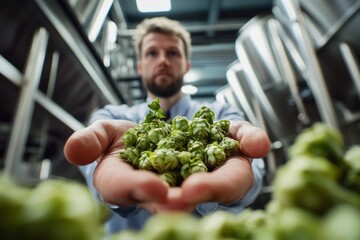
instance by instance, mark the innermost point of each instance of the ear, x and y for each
(139, 67)
(188, 65)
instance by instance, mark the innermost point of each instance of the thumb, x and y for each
(88, 144)
(254, 141)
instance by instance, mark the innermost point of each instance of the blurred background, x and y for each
(285, 63)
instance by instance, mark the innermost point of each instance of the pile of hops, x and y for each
(180, 147)
(316, 195)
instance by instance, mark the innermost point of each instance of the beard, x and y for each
(164, 90)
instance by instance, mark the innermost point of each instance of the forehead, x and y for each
(161, 40)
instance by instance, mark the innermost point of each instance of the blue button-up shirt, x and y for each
(132, 217)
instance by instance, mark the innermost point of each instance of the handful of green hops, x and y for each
(178, 148)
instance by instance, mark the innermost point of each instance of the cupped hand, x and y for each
(120, 184)
(117, 181)
(232, 180)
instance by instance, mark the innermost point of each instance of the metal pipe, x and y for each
(30, 82)
(286, 70)
(352, 65)
(73, 39)
(15, 76)
(98, 19)
(314, 78)
(239, 92)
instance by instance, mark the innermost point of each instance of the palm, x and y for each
(119, 183)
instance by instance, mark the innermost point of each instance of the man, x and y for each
(163, 49)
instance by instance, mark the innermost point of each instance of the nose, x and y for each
(163, 59)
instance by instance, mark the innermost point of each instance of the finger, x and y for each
(119, 183)
(227, 184)
(254, 142)
(174, 203)
(86, 145)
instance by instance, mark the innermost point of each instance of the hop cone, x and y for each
(180, 123)
(214, 155)
(199, 129)
(180, 138)
(156, 134)
(217, 134)
(223, 124)
(130, 155)
(143, 143)
(205, 113)
(191, 167)
(230, 146)
(144, 161)
(171, 177)
(196, 148)
(167, 143)
(164, 160)
(130, 137)
(184, 157)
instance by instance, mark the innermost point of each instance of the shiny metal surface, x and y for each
(292, 16)
(270, 76)
(72, 38)
(328, 17)
(323, 18)
(301, 64)
(24, 111)
(240, 87)
(352, 63)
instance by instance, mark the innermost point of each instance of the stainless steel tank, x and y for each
(272, 77)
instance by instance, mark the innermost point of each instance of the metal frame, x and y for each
(25, 107)
(75, 41)
(289, 12)
(29, 94)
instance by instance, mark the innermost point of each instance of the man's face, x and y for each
(162, 64)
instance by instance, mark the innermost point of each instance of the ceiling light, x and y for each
(153, 5)
(189, 89)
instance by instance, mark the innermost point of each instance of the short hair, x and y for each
(161, 25)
